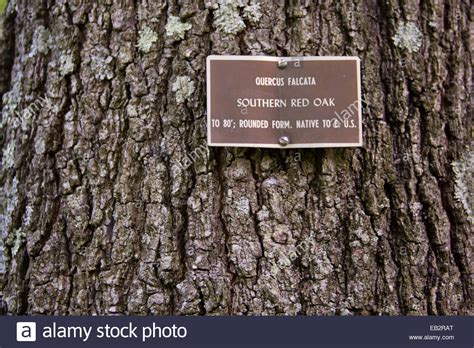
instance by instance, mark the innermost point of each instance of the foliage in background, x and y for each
(3, 3)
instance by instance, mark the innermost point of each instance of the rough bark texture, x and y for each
(100, 216)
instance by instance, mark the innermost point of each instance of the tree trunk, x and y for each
(107, 207)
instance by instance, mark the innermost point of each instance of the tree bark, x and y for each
(100, 216)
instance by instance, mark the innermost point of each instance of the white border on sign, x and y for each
(276, 59)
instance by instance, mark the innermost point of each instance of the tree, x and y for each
(112, 202)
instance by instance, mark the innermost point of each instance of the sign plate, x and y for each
(283, 102)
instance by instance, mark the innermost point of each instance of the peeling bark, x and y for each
(108, 206)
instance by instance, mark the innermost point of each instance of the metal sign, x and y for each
(281, 102)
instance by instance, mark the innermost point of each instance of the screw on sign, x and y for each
(282, 64)
(284, 141)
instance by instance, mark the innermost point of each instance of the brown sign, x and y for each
(283, 102)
